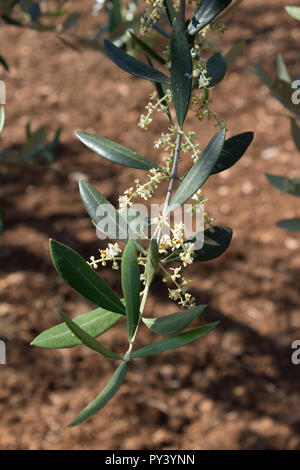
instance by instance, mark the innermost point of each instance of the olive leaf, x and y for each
(152, 261)
(130, 277)
(215, 244)
(119, 224)
(290, 224)
(174, 342)
(282, 71)
(2, 118)
(171, 324)
(107, 394)
(206, 12)
(286, 185)
(82, 278)
(181, 72)
(199, 173)
(216, 69)
(294, 12)
(233, 149)
(88, 340)
(133, 66)
(115, 153)
(295, 132)
(95, 323)
(280, 89)
(234, 53)
(148, 50)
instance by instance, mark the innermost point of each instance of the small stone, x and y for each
(270, 152)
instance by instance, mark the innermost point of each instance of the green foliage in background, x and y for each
(34, 150)
(287, 91)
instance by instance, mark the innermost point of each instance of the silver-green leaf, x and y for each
(199, 173)
(95, 323)
(130, 277)
(133, 66)
(107, 394)
(88, 340)
(115, 153)
(152, 261)
(171, 324)
(181, 72)
(174, 342)
(206, 12)
(82, 278)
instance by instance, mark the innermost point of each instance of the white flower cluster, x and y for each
(160, 106)
(151, 15)
(164, 141)
(124, 202)
(187, 255)
(167, 242)
(145, 191)
(180, 294)
(109, 254)
(190, 146)
(203, 80)
(98, 5)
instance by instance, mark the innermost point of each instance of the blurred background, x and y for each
(236, 388)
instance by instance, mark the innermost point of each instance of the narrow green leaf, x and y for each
(174, 342)
(294, 12)
(2, 118)
(115, 153)
(88, 340)
(10, 20)
(4, 63)
(161, 93)
(71, 21)
(216, 69)
(171, 12)
(95, 323)
(33, 147)
(295, 129)
(181, 72)
(130, 277)
(132, 65)
(171, 324)
(199, 173)
(282, 71)
(234, 53)
(152, 261)
(92, 200)
(68, 43)
(55, 141)
(118, 224)
(82, 278)
(206, 12)
(284, 184)
(215, 244)
(233, 149)
(280, 89)
(161, 30)
(290, 224)
(148, 49)
(107, 394)
(115, 17)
